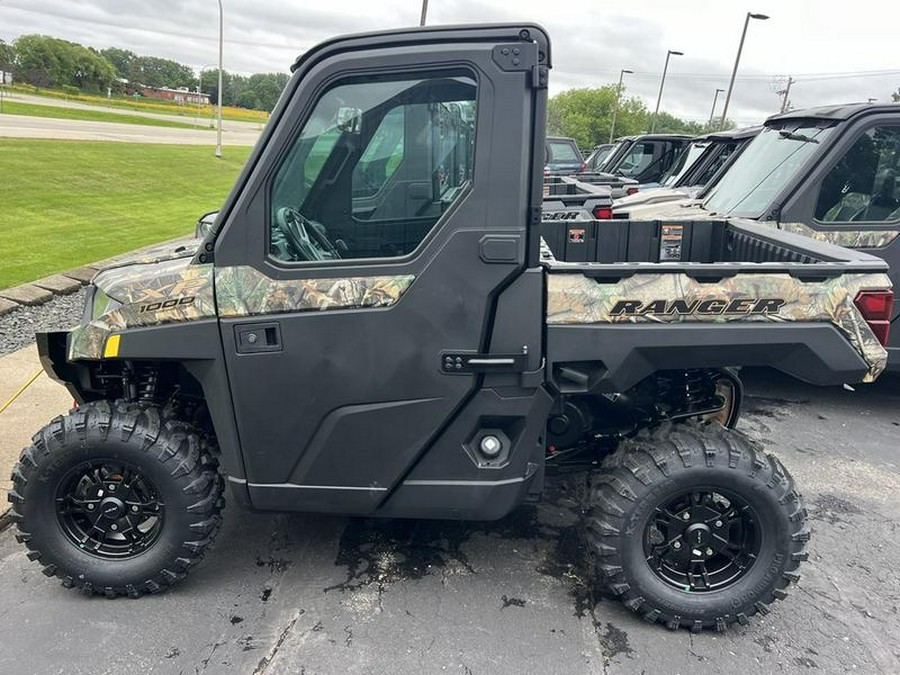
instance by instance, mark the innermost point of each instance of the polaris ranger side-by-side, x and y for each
(832, 173)
(704, 161)
(374, 325)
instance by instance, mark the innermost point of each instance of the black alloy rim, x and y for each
(109, 509)
(702, 540)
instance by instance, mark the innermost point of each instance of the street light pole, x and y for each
(737, 60)
(219, 92)
(612, 126)
(424, 12)
(713, 111)
(662, 83)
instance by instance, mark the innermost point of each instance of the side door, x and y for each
(386, 209)
(852, 197)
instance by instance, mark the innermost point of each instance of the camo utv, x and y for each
(380, 323)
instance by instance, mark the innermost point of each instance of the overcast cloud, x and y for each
(836, 52)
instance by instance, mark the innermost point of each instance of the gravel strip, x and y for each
(17, 328)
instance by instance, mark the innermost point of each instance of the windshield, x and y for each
(617, 150)
(717, 157)
(635, 161)
(765, 167)
(598, 156)
(683, 164)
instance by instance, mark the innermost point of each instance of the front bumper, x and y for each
(52, 350)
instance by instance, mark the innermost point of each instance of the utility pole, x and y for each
(713, 111)
(786, 94)
(612, 126)
(424, 12)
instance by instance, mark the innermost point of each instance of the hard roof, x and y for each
(653, 137)
(839, 112)
(731, 134)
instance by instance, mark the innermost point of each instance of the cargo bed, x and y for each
(699, 247)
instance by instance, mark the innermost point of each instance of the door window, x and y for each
(374, 167)
(862, 186)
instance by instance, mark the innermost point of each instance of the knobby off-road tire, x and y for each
(152, 479)
(695, 492)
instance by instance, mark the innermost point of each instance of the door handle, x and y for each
(466, 363)
(252, 338)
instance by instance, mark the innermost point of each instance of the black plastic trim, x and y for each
(815, 353)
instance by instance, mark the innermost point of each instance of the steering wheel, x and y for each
(307, 238)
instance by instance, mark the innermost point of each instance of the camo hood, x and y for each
(144, 291)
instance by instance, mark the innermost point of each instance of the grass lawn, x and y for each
(32, 110)
(69, 203)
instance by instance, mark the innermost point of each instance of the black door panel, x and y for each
(366, 395)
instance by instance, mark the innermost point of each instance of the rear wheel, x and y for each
(693, 525)
(119, 499)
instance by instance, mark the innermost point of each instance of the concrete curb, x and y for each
(43, 290)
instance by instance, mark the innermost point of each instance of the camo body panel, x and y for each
(845, 238)
(245, 291)
(139, 288)
(240, 291)
(578, 299)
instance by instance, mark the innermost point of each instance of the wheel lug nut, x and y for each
(90, 507)
(112, 488)
(114, 527)
(676, 545)
(134, 508)
(709, 551)
(718, 523)
(686, 516)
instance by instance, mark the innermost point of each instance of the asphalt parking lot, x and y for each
(313, 594)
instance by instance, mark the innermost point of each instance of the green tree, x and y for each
(153, 71)
(895, 97)
(669, 124)
(50, 62)
(232, 86)
(262, 91)
(7, 56)
(586, 115)
(121, 59)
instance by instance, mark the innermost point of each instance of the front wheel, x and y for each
(118, 499)
(693, 525)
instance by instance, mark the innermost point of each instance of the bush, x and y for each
(70, 90)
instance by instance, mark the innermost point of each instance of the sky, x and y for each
(835, 52)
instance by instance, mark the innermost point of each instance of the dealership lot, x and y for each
(284, 593)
